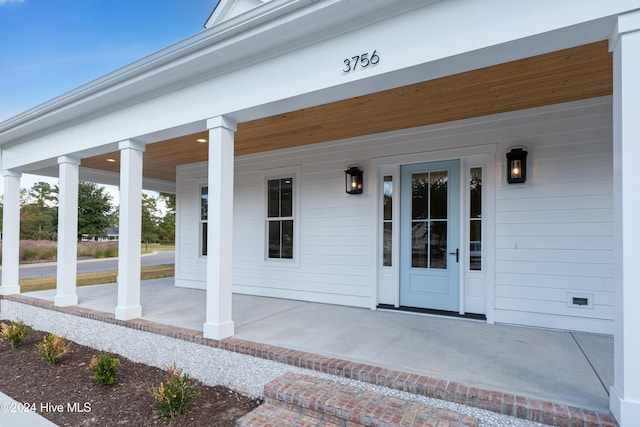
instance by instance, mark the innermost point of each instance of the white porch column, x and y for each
(131, 154)
(67, 231)
(11, 233)
(625, 392)
(218, 323)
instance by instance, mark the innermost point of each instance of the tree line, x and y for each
(96, 213)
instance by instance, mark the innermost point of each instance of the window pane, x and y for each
(476, 193)
(387, 234)
(419, 202)
(438, 189)
(273, 196)
(204, 239)
(274, 239)
(286, 197)
(388, 198)
(419, 238)
(438, 244)
(204, 203)
(475, 245)
(287, 240)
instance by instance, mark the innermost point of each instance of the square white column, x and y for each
(11, 233)
(69, 168)
(625, 392)
(129, 307)
(219, 324)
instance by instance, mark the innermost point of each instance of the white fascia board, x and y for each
(456, 35)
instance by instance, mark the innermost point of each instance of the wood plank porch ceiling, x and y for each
(568, 75)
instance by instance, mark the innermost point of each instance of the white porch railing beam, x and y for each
(11, 233)
(131, 154)
(625, 392)
(218, 324)
(69, 169)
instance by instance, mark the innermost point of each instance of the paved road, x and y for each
(90, 266)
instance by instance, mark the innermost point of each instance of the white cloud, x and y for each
(10, 1)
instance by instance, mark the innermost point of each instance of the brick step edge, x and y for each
(268, 415)
(347, 406)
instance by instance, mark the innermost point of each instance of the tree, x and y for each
(167, 226)
(39, 212)
(94, 210)
(169, 200)
(150, 218)
(42, 194)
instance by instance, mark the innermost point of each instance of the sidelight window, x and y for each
(475, 219)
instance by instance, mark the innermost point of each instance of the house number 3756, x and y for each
(362, 61)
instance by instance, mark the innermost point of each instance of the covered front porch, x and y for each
(563, 367)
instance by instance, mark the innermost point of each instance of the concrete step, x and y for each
(300, 400)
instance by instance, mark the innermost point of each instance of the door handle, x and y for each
(457, 254)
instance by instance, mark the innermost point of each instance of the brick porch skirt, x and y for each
(556, 414)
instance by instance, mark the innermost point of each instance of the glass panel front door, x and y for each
(429, 235)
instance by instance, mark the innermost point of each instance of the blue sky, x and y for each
(48, 47)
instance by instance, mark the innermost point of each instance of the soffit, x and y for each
(567, 75)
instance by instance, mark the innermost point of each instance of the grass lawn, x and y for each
(158, 247)
(97, 278)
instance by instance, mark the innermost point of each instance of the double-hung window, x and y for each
(280, 218)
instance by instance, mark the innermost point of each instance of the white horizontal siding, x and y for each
(335, 239)
(190, 267)
(553, 234)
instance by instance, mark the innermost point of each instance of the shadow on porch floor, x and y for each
(566, 367)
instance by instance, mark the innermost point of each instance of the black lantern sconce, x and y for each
(353, 180)
(517, 165)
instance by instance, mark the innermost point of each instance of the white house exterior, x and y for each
(426, 98)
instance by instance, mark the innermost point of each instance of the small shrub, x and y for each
(52, 348)
(105, 368)
(176, 394)
(15, 332)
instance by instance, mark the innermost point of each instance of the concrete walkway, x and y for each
(566, 367)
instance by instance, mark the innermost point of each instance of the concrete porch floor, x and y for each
(566, 367)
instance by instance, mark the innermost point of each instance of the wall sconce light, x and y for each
(517, 165)
(353, 180)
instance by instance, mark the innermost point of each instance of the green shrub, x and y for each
(105, 368)
(176, 394)
(15, 332)
(52, 348)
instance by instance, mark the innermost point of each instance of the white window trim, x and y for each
(294, 173)
(468, 219)
(393, 270)
(201, 185)
(477, 156)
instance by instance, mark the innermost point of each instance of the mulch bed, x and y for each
(128, 402)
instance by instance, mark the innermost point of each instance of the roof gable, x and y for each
(227, 9)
